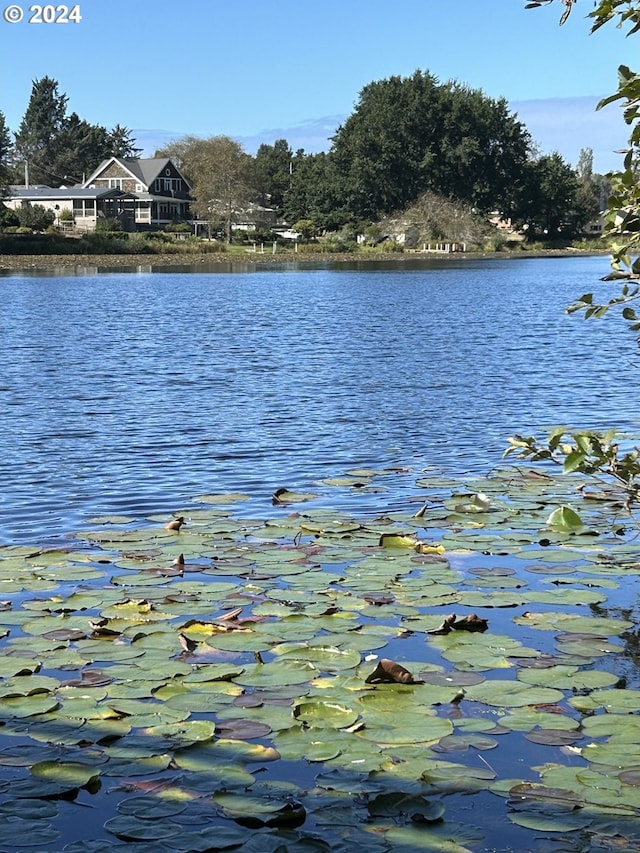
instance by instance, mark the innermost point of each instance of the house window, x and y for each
(139, 188)
(84, 207)
(115, 183)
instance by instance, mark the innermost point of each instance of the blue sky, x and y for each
(266, 69)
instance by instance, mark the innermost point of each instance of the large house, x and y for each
(140, 193)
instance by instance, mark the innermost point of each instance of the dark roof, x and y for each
(145, 170)
(40, 192)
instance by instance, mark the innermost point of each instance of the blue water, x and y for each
(135, 392)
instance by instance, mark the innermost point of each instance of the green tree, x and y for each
(121, 143)
(5, 154)
(551, 207)
(409, 135)
(219, 171)
(54, 149)
(35, 216)
(306, 228)
(316, 192)
(180, 151)
(80, 148)
(272, 173)
(36, 142)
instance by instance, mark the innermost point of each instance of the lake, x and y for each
(133, 393)
(215, 687)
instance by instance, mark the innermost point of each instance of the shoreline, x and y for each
(33, 263)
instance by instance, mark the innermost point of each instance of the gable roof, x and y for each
(143, 170)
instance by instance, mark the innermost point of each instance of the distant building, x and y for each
(161, 191)
(140, 194)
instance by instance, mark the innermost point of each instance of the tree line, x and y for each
(408, 137)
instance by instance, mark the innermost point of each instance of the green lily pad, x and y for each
(512, 694)
(325, 714)
(68, 773)
(132, 827)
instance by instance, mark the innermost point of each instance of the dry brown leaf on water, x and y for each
(100, 628)
(187, 644)
(473, 622)
(230, 615)
(390, 671)
(446, 626)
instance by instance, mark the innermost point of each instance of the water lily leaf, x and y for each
(279, 672)
(19, 833)
(512, 694)
(325, 714)
(283, 495)
(567, 678)
(630, 777)
(544, 822)
(26, 754)
(132, 827)
(446, 839)
(69, 773)
(564, 520)
(28, 685)
(614, 701)
(231, 497)
(604, 725)
(527, 719)
(139, 767)
(29, 809)
(10, 666)
(243, 729)
(151, 808)
(184, 733)
(412, 807)
(612, 753)
(256, 812)
(328, 658)
(406, 728)
(462, 742)
(553, 737)
(27, 706)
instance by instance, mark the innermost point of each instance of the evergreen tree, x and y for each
(56, 149)
(551, 206)
(5, 152)
(316, 192)
(37, 139)
(272, 173)
(80, 148)
(121, 143)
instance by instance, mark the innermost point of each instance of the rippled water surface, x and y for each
(133, 393)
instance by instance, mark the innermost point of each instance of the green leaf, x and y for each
(564, 520)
